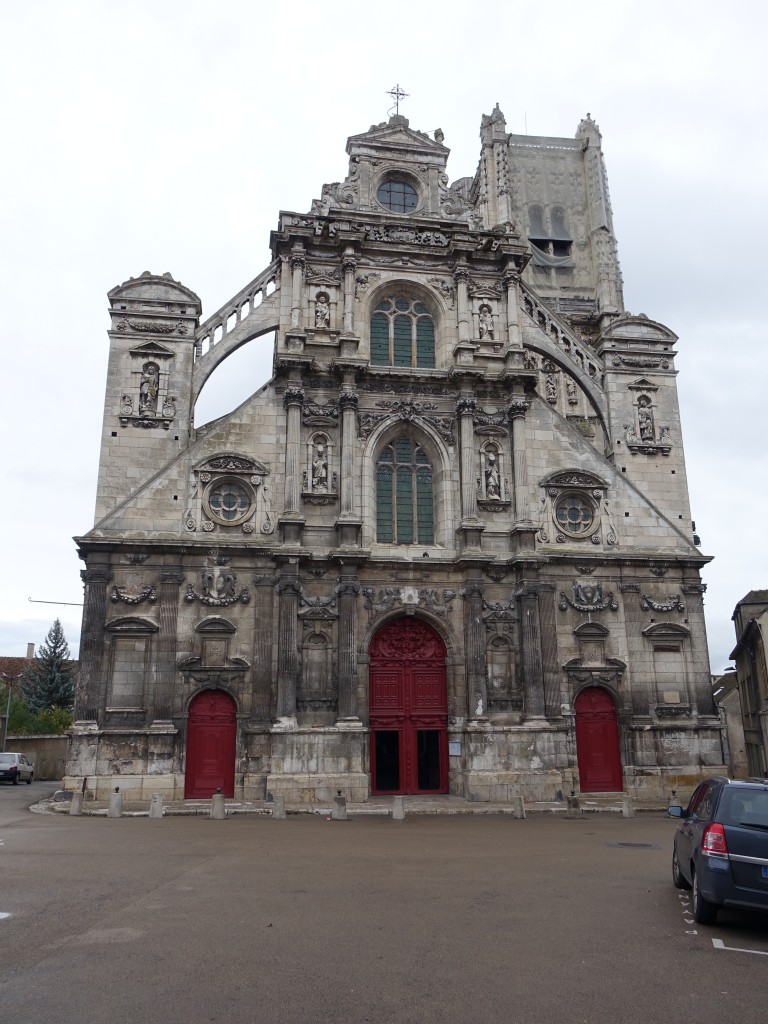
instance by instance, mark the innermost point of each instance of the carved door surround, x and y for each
(211, 745)
(408, 709)
(597, 742)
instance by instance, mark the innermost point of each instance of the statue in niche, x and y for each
(322, 311)
(148, 389)
(645, 421)
(320, 469)
(486, 322)
(492, 482)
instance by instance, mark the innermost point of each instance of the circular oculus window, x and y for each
(575, 515)
(229, 502)
(397, 196)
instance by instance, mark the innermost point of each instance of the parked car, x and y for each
(721, 847)
(14, 767)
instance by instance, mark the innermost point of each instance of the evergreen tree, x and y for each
(50, 682)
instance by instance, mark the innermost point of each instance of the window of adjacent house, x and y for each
(402, 334)
(397, 196)
(404, 503)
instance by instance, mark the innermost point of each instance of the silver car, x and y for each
(14, 768)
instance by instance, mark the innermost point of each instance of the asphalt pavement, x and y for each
(440, 918)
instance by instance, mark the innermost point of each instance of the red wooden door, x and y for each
(597, 742)
(211, 742)
(408, 710)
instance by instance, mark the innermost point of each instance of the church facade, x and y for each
(447, 548)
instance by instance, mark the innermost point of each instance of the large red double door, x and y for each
(597, 742)
(211, 745)
(408, 709)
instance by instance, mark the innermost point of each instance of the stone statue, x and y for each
(486, 322)
(645, 423)
(148, 389)
(320, 469)
(322, 311)
(492, 484)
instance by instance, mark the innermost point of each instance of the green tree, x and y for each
(50, 682)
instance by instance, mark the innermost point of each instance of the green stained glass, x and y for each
(404, 510)
(380, 339)
(384, 505)
(402, 347)
(425, 342)
(424, 507)
(403, 305)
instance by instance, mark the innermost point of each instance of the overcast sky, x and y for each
(166, 136)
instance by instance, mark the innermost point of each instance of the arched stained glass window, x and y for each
(402, 334)
(404, 502)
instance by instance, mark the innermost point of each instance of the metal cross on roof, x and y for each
(397, 94)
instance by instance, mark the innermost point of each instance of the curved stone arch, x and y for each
(264, 319)
(413, 287)
(443, 494)
(218, 686)
(595, 394)
(453, 647)
(597, 684)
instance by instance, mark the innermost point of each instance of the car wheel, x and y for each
(704, 912)
(678, 878)
(16, 780)
(29, 779)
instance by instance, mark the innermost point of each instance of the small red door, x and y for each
(211, 743)
(408, 710)
(597, 742)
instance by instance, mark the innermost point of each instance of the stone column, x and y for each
(552, 695)
(288, 666)
(348, 268)
(263, 700)
(530, 637)
(348, 400)
(298, 262)
(511, 284)
(465, 409)
(474, 641)
(347, 591)
(461, 281)
(516, 411)
(90, 689)
(642, 688)
(701, 684)
(294, 400)
(167, 643)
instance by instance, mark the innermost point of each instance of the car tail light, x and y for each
(714, 841)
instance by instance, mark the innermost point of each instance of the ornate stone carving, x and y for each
(151, 326)
(446, 289)
(362, 281)
(317, 608)
(674, 603)
(133, 594)
(431, 600)
(416, 236)
(217, 590)
(492, 424)
(499, 611)
(315, 415)
(588, 598)
(294, 395)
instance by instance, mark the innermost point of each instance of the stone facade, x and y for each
(447, 547)
(750, 619)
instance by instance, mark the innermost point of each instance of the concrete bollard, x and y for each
(518, 807)
(218, 810)
(278, 807)
(339, 809)
(627, 807)
(76, 807)
(573, 807)
(115, 804)
(156, 806)
(398, 808)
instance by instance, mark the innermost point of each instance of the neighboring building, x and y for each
(447, 548)
(750, 618)
(725, 690)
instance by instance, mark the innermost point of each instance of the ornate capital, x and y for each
(472, 590)
(294, 395)
(298, 261)
(349, 264)
(466, 407)
(348, 587)
(461, 275)
(517, 407)
(172, 576)
(97, 574)
(511, 279)
(694, 588)
(289, 586)
(349, 400)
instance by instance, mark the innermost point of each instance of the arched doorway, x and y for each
(408, 709)
(211, 743)
(597, 742)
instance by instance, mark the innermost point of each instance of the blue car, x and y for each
(721, 847)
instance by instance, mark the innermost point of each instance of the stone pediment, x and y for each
(155, 287)
(152, 350)
(396, 134)
(638, 330)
